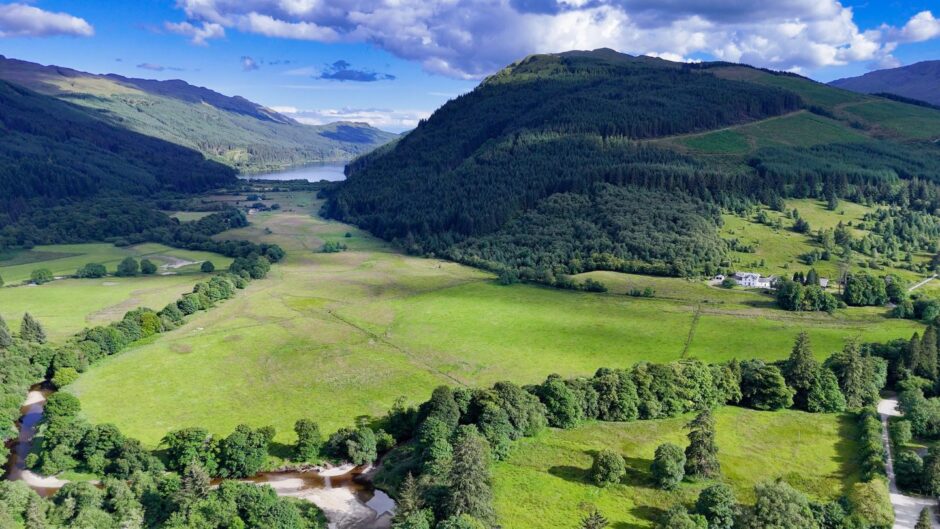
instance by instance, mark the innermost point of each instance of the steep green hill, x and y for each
(511, 174)
(231, 130)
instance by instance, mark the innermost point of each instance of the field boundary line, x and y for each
(688, 339)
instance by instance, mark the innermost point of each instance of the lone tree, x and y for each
(923, 521)
(31, 330)
(207, 267)
(147, 267)
(594, 520)
(668, 466)
(309, 440)
(608, 468)
(701, 456)
(718, 505)
(801, 370)
(41, 275)
(128, 267)
(5, 339)
(470, 491)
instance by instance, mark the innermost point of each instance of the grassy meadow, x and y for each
(66, 306)
(545, 482)
(336, 336)
(65, 259)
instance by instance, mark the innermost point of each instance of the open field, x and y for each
(545, 482)
(336, 336)
(65, 259)
(68, 306)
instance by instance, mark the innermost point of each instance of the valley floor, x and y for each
(342, 335)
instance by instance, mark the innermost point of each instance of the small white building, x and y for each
(753, 280)
(719, 277)
(824, 282)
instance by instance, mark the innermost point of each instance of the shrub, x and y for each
(718, 505)
(60, 405)
(64, 376)
(128, 267)
(92, 271)
(207, 267)
(147, 267)
(668, 467)
(608, 468)
(593, 285)
(309, 440)
(41, 276)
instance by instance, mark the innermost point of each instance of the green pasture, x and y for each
(65, 259)
(68, 306)
(545, 482)
(908, 120)
(336, 336)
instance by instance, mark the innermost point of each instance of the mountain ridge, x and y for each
(229, 129)
(920, 81)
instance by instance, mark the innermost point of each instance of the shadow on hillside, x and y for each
(570, 473)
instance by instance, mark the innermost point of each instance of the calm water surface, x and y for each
(330, 171)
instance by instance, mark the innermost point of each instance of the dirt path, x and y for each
(906, 508)
(922, 283)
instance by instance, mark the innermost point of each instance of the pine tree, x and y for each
(812, 277)
(595, 520)
(409, 498)
(5, 339)
(470, 490)
(195, 485)
(31, 330)
(923, 521)
(801, 370)
(36, 513)
(928, 347)
(701, 456)
(854, 377)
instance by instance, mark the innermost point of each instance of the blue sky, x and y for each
(391, 62)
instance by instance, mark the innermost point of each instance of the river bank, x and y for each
(344, 493)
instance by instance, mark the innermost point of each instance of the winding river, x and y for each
(345, 494)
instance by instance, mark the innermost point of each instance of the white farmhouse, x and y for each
(753, 280)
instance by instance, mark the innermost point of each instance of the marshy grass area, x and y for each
(545, 483)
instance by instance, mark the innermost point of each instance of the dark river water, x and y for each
(329, 171)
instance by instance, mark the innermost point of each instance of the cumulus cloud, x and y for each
(249, 64)
(199, 35)
(473, 39)
(343, 71)
(21, 20)
(382, 118)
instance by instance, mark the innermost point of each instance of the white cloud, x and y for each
(21, 20)
(199, 35)
(922, 26)
(471, 39)
(386, 119)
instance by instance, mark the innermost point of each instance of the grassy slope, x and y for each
(545, 482)
(65, 259)
(334, 336)
(68, 306)
(780, 249)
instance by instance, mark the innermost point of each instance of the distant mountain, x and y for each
(54, 151)
(231, 130)
(920, 81)
(578, 161)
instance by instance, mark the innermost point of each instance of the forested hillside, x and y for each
(231, 130)
(506, 176)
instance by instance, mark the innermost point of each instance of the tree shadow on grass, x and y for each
(281, 450)
(570, 473)
(847, 451)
